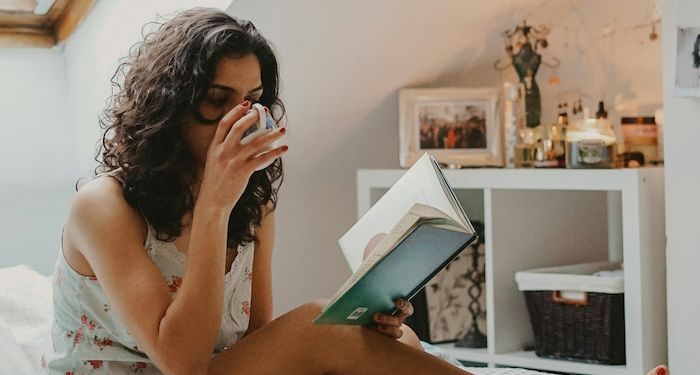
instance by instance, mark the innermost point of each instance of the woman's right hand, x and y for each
(229, 163)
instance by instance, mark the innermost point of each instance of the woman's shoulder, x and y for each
(100, 203)
(99, 222)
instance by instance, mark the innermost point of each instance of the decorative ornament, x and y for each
(522, 45)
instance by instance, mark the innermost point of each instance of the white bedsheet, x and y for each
(26, 312)
(25, 319)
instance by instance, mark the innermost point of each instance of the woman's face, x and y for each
(236, 80)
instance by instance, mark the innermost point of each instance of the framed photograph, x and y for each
(459, 126)
(688, 62)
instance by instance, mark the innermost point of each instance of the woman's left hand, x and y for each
(390, 325)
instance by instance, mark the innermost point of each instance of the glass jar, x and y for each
(590, 143)
(640, 136)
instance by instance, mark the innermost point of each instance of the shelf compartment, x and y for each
(535, 229)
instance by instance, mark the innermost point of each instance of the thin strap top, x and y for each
(87, 335)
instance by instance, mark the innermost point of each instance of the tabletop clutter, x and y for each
(584, 142)
(580, 140)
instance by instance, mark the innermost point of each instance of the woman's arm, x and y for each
(177, 334)
(261, 303)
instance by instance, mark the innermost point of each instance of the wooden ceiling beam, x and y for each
(33, 30)
(26, 6)
(69, 19)
(26, 37)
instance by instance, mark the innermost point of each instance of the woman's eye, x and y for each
(218, 101)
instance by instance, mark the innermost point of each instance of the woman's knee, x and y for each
(410, 338)
(308, 311)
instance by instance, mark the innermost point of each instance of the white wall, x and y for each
(343, 62)
(37, 164)
(50, 100)
(92, 55)
(682, 123)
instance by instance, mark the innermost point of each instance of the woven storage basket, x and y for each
(576, 315)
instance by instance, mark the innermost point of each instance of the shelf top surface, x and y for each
(555, 179)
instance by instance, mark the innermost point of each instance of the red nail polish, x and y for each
(285, 148)
(245, 103)
(283, 130)
(660, 371)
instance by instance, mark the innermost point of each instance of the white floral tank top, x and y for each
(88, 337)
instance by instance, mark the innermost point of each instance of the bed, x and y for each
(25, 324)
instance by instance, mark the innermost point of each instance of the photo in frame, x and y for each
(459, 126)
(688, 62)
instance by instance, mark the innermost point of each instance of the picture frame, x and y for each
(459, 126)
(687, 82)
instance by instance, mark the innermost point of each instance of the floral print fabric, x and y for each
(87, 336)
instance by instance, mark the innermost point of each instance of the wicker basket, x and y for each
(575, 315)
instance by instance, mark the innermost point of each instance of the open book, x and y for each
(411, 233)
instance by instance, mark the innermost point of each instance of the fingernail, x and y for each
(283, 130)
(660, 371)
(285, 148)
(402, 303)
(245, 103)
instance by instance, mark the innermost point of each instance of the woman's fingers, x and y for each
(264, 141)
(405, 308)
(242, 124)
(268, 156)
(392, 331)
(229, 119)
(388, 320)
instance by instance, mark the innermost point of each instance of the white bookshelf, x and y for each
(541, 218)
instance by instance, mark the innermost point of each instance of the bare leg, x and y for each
(410, 338)
(291, 344)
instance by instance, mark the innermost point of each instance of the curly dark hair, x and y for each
(165, 78)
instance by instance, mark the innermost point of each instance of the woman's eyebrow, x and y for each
(231, 89)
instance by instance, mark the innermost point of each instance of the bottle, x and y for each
(562, 117)
(602, 113)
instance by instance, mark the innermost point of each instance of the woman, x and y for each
(157, 273)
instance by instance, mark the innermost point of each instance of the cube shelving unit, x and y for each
(540, 218)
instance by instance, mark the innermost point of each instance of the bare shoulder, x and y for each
(99, 213)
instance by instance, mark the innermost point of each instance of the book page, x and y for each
(419, 184)
(417, 214)
(458, 212)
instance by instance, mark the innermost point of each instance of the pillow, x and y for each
(26, 316)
